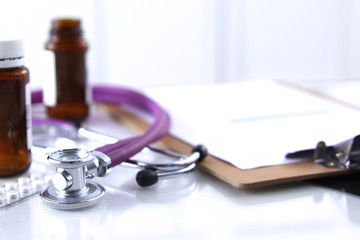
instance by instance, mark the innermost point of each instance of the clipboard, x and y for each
(236, 177)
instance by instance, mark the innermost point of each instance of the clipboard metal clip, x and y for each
(345, 155)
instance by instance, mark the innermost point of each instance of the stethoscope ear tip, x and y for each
(147, 177)
(202, 150)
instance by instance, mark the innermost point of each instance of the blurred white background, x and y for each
(142, 43)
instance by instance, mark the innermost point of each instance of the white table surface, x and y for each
(191, 206)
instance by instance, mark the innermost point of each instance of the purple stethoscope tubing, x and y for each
(122, 150)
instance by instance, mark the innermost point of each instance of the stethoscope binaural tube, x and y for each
(121, 151)
(124, 149)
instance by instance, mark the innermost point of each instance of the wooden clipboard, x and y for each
(238, 178)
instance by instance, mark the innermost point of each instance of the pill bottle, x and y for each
(65, 90)
(15, 112)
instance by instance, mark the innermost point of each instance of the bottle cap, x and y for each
(11, 53)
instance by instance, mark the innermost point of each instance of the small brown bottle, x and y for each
(67, 99)
(15, 114)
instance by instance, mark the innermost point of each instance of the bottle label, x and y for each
(49, 79)
(28, 115)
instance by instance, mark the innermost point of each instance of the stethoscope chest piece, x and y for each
(70, 189)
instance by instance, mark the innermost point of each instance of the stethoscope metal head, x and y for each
(70, 190)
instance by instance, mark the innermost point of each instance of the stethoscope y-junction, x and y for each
(70, 189)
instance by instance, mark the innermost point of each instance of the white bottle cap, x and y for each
(11, 53)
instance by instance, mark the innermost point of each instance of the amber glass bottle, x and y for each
(68, 98)
(15, 114)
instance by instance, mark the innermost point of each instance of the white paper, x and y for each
(254, 123)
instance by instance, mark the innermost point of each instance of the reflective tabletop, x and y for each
(195, 205)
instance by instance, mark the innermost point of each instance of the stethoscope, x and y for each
(70, 189)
